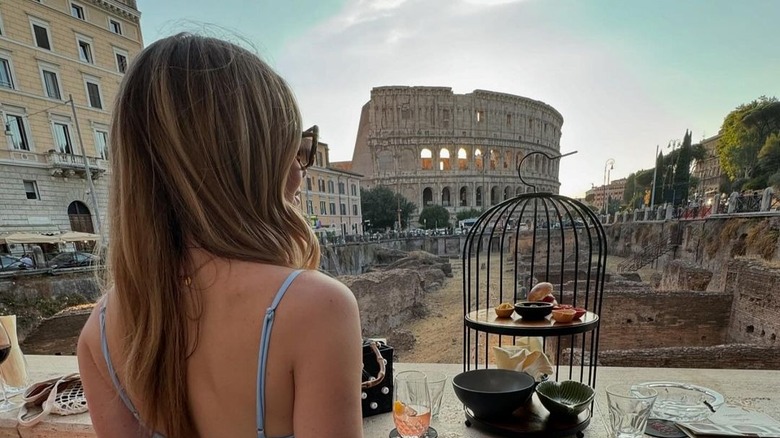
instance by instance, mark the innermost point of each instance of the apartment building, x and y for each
(52, 51)
(613, 191)
(707, 170)
(330, 196)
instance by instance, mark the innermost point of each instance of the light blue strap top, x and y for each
(265, 340)
(122, 394)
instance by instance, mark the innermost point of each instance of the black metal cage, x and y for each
(532, 238)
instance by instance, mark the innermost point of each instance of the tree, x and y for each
(468, 214)
(434, 216)
(630, 190)
(682, 172)
(380, 207)
(744, 132)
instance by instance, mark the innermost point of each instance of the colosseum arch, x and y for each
(444, 159)
(445, 197)
(507, 193)
(493, 157)
(478, 159)
(463, 197)
(463, 159)
(507, 159)
(494, 195)
(519, 157)
(479, 196)
(426, 159)
(427, 195)
(518, 191)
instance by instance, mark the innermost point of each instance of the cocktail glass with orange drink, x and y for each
(411, 404)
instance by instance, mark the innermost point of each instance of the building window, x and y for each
(323, 210)
(62, 138)
(341, 188)
(332, 208)
(77, 11)
(320, 160)
(93, 95)
(15, 125)
(308, 183)
(51, 84)
(121, 60)
(508, 120)
(41, 34)
(354, 190)
(321, 185)
(6, 77)
(480, 116)
(309, 207)
(85, 50)
(331, 187)
(115, 26)
(343, 209)
(31, 189)
(101, 143)
(354, 210)
(2, 32)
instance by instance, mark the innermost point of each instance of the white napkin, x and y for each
(518, 358)
(14, 368)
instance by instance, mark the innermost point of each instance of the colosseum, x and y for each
(456, 150)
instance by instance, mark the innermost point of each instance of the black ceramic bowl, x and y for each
(493, 393)
(533, 310)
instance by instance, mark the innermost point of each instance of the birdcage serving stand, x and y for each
(515, 244)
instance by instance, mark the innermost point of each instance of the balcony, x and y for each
(748, 388)
(69, 165)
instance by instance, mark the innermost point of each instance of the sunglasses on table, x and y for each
(308, 150)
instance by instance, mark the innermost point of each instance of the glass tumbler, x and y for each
(629, 409)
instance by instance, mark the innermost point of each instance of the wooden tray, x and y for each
(533, 421)
(487, 321)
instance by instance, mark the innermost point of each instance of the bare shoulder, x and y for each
(318, 295)
(89, 339)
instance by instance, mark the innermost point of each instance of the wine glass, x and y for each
(5, 351)
(411, 404)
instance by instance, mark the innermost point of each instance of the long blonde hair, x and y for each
(203, 138)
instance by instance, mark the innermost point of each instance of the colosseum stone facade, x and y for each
(456, 150)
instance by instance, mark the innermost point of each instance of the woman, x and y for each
(207, 240)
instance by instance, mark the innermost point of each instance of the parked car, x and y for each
(73, 260)
(10, 263)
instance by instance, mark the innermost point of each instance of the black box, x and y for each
(377, 387)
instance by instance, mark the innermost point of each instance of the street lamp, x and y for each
(608, 166)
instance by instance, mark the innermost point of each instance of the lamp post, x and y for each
(608, 166)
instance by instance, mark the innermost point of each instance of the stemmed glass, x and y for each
(5, 351)
(411, 404)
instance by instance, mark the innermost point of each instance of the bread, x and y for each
(540, 291)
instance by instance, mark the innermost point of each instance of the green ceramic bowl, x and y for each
(566, 399)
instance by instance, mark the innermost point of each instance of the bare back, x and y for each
(313, 357)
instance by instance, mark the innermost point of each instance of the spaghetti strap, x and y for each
(111, 371)
(265, 338)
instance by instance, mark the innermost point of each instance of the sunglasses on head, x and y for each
(308, 150)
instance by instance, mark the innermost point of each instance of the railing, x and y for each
(64, 164)
(650, 254)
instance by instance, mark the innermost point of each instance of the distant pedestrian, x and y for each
(27, 261)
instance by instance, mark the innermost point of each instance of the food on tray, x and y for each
(542, 292)
(563, 306)
(563, 315)
(580, 312)
(505, 310)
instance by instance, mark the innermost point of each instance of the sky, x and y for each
(627, 76)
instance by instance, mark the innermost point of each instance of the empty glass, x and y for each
(629, 409)
(436, 383)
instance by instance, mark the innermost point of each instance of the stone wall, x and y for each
(754, 315)
(35, 297)
(734, 356)
(647, 318)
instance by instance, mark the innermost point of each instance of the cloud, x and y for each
(516, 48)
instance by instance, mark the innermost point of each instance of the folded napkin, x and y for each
(519, 358)
(14, 368)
